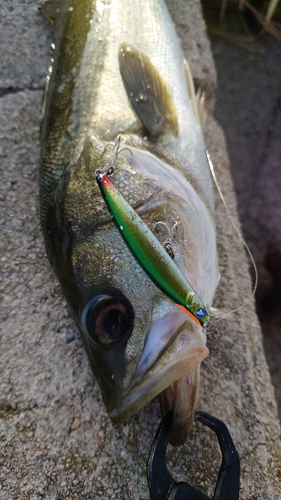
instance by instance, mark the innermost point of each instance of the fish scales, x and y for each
(119, 70)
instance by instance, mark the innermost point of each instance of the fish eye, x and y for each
(108, 318)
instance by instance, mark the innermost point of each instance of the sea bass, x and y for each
(119, 76)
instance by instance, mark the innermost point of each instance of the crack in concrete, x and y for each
(14, 90)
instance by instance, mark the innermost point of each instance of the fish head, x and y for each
(138, 341)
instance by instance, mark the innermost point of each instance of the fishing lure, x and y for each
(149, 252)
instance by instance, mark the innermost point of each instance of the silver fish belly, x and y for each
(119, 70)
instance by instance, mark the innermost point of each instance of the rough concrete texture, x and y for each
(248, 108)
(248, 91)
(56, 440)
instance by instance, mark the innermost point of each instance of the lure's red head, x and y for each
(104, 181)
(102, 177)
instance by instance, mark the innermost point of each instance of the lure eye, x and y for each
(108, 318)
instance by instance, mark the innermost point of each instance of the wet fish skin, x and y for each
(87, 105)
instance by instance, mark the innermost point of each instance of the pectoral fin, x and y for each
(147, 92)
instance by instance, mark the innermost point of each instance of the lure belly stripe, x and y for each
(150, 254)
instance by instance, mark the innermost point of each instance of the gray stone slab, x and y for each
(248, 109)
(57, 441)
(25, 40)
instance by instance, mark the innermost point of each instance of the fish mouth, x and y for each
(181, 397)
(169, 365)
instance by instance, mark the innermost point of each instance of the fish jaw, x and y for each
(181, 397)
(171, 371)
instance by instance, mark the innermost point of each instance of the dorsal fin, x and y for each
(147, 92)
(197, 98)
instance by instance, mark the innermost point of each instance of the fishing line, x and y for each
(219, 315)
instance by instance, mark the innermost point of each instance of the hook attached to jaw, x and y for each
(161, 484)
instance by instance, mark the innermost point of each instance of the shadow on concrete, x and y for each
(248, 107)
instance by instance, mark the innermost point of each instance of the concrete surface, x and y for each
(56, 440)
(248, 107)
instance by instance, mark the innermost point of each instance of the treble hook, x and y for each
(168, 243)
(116, 153)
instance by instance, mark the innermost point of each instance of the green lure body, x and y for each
(150, 253)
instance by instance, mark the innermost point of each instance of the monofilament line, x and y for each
(218, 313)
